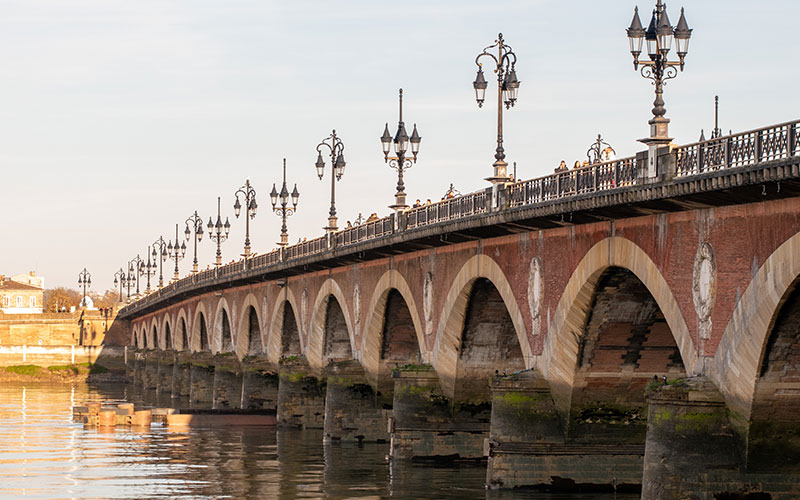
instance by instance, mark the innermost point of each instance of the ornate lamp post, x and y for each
(159, 257)
(249, 195)
(176, 253)
(218, 233)
(507, 88)
(597, 153)
(120, 279)
(85, 279)
(336, 148)
(659, 36)
(148, 270)
(135, 269)
(195, 222)
(284, 210)
(399, 160)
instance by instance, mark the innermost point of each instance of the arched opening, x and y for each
(336, 346)
(774, 439)
(155, 338)
(254, 346)
(184, 339)
(625, 342)
(227, 340)
(399, 337)
(289, 334)
(167, 337)
(489, 343)
(203, 333)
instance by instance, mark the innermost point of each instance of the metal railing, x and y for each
(777, 142)
(589, 179)
(738, 150)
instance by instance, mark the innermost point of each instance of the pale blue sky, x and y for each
(120, 118)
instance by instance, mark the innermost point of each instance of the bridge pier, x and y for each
(259, 385)
(691, 443)
(137, 369)
(150, 379)
(227, 382)
(166, 364)
(181, 375)
(353, 410)
(427, 425)
(301, 397)
(201, 371)
(528, 445)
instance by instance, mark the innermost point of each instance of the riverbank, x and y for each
(79, 372)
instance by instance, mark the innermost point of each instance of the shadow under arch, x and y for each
(166, 327)
(737, 363)
(243, 346)
(182, 331)
(316, 337)
(200, 320)
(559, 357)
(371, 343)
(155, 341)
(276, 326)
(449, 332)
(217, 338)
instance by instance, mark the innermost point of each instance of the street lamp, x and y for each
(658, 37)
(85, 279)
(218, 232)
(507, 88)
(148, 269)
(597, 153)
(399, 161)
(284, 210)
(159, 257)
(249, 195)
(135, 269)
(196, 223)
(120, 278)
(176, 253)
(336, 147)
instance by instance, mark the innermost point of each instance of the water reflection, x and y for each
(43, 454)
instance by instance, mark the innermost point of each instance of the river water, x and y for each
(44, 454)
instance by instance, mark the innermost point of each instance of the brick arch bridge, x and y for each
(571, 286)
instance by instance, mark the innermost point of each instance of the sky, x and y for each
(119, 119)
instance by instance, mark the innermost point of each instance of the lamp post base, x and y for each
(333, 224)
(659, 137)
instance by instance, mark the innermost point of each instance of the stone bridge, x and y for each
(604, 327)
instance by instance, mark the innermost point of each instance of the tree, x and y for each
(61, 299)
(109, 299)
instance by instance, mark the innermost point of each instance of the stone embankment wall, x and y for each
(111, 357)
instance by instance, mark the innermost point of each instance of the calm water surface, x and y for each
(43, 454)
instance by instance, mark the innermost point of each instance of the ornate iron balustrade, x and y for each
(777, 142)
(589, 179)
(449, 209)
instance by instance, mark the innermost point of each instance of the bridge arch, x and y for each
(315, 352)
(166, 327)
(560, 355)
(371, 344)
(200, 329)
(275, 341)
(153, 342)
(222, 338)
(182, 331)
(243, 340)
(737, 362)
(450, 329)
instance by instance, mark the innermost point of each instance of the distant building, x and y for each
(22, 294)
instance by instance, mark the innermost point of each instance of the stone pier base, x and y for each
(150, 378)
(181, 376)
(528, 446)
(260, 390)
(227, 385)
(352, 409)
(201, 392)
(428, 426)
(166, 364)
(301, 398)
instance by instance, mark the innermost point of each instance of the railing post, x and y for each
(759, 146)
(792, 137)
(728, 143)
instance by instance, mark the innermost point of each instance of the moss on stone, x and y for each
(609, 414)
(413, 367)
(25, 369)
